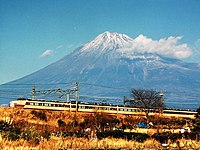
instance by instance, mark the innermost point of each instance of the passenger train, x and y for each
(89, 107)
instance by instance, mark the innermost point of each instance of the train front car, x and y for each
(19, 103)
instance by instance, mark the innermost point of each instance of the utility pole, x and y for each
(33, 92)
(59, 95)
(68, 96)
(76, 89)
(76, 96)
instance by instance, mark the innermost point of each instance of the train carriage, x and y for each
(86, 107)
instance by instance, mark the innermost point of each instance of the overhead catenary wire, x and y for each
(69, 83)
(2, 88)
(23, 89)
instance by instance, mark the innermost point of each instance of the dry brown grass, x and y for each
(25, 118)
(56, 143)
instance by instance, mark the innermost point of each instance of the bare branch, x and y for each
(146, 98)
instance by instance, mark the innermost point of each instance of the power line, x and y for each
(96, 85)
(36, 83)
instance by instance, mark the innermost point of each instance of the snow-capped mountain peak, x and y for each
(108, 41)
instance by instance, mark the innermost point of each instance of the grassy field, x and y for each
(56, 143)
(30, 129)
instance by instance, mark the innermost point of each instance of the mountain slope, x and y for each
(109, 61)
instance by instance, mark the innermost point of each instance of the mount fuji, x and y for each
(110, 66)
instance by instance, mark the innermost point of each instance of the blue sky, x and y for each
(35, 33)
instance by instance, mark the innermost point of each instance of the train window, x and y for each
(68, 106)
(45, 104)
(27, 103)
(113, 108)
(52, 105)
(121, 109)
(40, 104)
(32, 103)
(88, 107)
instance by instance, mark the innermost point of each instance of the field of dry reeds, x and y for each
(55, 130)
(58, 143)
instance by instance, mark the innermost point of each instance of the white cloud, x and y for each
(165, 46)
(47, 53)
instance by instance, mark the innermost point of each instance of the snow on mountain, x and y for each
(112, 60)
(108, 41)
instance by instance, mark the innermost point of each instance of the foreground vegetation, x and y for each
(36, 129)
(83, 143)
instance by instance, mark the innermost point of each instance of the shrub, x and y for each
(161, 137)
(141, 137)
(13, 135)
(30, 135)
(196, 124)
(4, 126)
(61, 123)
(46, 135)
(39, 114)
(115, 121)
(174, 137)
(70, 134)
(111, 133)
(8, 131)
